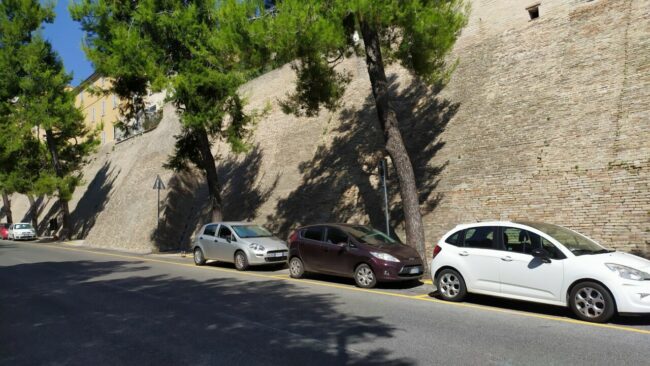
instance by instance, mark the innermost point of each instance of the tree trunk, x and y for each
(33, 211)
(394, 142)
(7, 207)
(65, 217)
(210, 169)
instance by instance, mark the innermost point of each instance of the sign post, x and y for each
(383, 173)
(158, 184)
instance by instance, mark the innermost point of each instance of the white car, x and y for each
(542, 263)
(242, 243)
(21, 231)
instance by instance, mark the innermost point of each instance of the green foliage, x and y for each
(35, 97)
(191, 49)
(317, 34)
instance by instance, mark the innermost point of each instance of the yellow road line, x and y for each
(423, 297)
(428, 282)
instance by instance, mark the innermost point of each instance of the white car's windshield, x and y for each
(22, 226)
(251, 231)
(575, 242)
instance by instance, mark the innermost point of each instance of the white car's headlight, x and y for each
(257, 247)
(384, 256)
(628, 273)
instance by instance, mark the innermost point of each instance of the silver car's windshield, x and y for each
(22, 226)
(575, 242)
(251, 231)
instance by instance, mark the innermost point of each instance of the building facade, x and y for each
(101, 112)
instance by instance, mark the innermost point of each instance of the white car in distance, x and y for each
(541, 263)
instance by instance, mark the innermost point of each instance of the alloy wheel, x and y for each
(590, 302)
(365, 276)
(295, 267)
(449, 285)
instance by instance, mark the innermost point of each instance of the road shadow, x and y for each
(341, 184)
(542, 309)
(107, 313)
(399, 285)
(265, 268)
(186, 207)
(93, 201)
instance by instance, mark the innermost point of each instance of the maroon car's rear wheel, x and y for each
(296, 268)
(364, 276)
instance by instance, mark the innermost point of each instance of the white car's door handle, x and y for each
(506, 259)
(464, 254)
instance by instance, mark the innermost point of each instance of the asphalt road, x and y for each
(62, 305)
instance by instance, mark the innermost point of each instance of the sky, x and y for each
(65, 36)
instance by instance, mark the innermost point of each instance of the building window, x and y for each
(81, 97)
(93, 115)
(114, 101)
(533, 11)
(103, 108)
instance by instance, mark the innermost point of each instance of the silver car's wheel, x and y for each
(451, 285)
(296, 268)
(592, 302)
(364, 276)
(241, 262)
(199, 258)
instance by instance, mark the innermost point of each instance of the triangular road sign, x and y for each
(158, 184)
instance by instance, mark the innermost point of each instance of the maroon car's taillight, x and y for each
(436, 250)
(293, 237)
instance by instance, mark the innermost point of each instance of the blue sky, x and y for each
(65, 36)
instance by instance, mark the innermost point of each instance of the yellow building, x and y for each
(99, 110)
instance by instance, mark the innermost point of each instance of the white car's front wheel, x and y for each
(199, 258)
(592, 302)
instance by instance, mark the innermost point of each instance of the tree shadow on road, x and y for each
(340, 183)
(84, 312)
(542, 309)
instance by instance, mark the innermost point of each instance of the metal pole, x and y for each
(158, 223)
(383, 180)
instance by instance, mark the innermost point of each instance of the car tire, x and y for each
(364, 276)
(296, 268)
(451, 285)
(592, 302)
(241, 261)
(199, 257)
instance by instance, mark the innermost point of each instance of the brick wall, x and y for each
(543, 120)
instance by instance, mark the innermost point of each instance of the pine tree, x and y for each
(316, 34)
(180, 47)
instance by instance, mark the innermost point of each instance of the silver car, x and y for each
(242, 243)
(21, 231)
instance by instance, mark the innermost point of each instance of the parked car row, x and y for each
(17, 231)
(526, 261)
(355, 251)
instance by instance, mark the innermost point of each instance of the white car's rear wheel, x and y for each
(451, 285)
(592, 302)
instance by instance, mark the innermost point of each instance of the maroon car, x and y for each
(357, 251)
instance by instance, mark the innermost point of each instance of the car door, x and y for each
(311, 246)
(335, 252)
(207, 239)
(481, 259)
(523, 275)
(226, 244)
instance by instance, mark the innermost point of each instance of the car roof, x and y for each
(499, 223)
(231, 223)
(335, 224)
